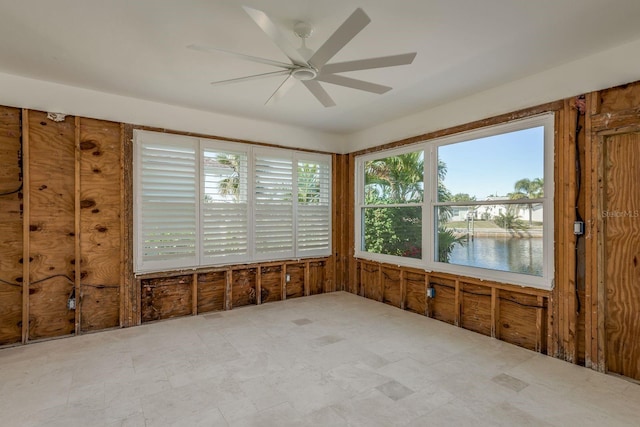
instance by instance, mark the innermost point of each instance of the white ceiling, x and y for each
(138, 49)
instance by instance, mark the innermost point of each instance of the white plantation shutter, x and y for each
(314, 206)
(166, 217)
(273, 204)
(224, 205)
(202, 202)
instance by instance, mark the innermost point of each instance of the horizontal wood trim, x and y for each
(224, 138)
(501, 119)
(172, 273)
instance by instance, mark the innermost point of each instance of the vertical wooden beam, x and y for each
(403, 290)
(540, 333)
(495, 312)
(194, 294)
(138, 301)
(352, 262)
(258, 285)
(381, 282)
(567, 227)
(558, 307)
(591, 234)
(228, 289)
(360, 280)
(130, 303)
(457, 304)
(427, 300)
(307, 285)
(78, 255)
(26, 260)
(283, 282)
(600, 267)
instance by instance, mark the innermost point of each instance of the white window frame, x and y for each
(202, 144)
(430, 203)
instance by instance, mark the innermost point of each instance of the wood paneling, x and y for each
(443, 306)
(370, 280)
(391, 287)
(167, 297)
(11, 268)
(517, 319)
(316, 278)
(415, 292)
(271, 281)
(476, 308)
(100, 233)
(211, 291)
(51, 225)
(244, 287)
(295, 287)
(622, 253)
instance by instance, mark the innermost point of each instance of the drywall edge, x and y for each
(606, 69)
(23, 92)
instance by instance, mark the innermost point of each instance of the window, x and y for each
(478, 204)
(392, 210)
(202, 202)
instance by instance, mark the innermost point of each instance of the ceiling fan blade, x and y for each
(282, 90)
(353, 83)
(318, 91)
(274, 33)
(253, 77)
(367, 64)
(343, 35)
(240, 55)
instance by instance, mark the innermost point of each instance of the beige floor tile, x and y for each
(327, 360)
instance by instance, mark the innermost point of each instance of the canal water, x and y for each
(501, 253)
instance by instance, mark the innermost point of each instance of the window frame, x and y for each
(430, 204)
(251, 151)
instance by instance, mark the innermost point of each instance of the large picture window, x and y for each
(201, 202)
(478, 204)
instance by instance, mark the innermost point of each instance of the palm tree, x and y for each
(400, 179)
(230, 186)
(528, 189)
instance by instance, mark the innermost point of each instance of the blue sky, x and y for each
(492, 165)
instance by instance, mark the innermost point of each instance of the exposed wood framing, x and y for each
(194, 293)
(258, 285)
(77, 278)
(26, 202)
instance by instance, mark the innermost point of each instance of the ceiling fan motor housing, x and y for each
(304, 73)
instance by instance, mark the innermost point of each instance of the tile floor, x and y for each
(327, 360)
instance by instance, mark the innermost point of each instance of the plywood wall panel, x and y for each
(370, 279)
(51, 225)
(100, 224)
(10, 226)
(622, 253)
(271, 283)
(316, 277)
(443, 305)
(295, 287)
(517, 321)
(391, 286)
(620, 98)
(167, 297)
(211, 291)
(416, 293)
(476, 308)
(244, 287)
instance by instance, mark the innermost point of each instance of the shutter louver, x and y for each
(224, 206)
(168, 219)
(273, 220)
(314, 208)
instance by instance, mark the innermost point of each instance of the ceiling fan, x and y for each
(310, 67)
